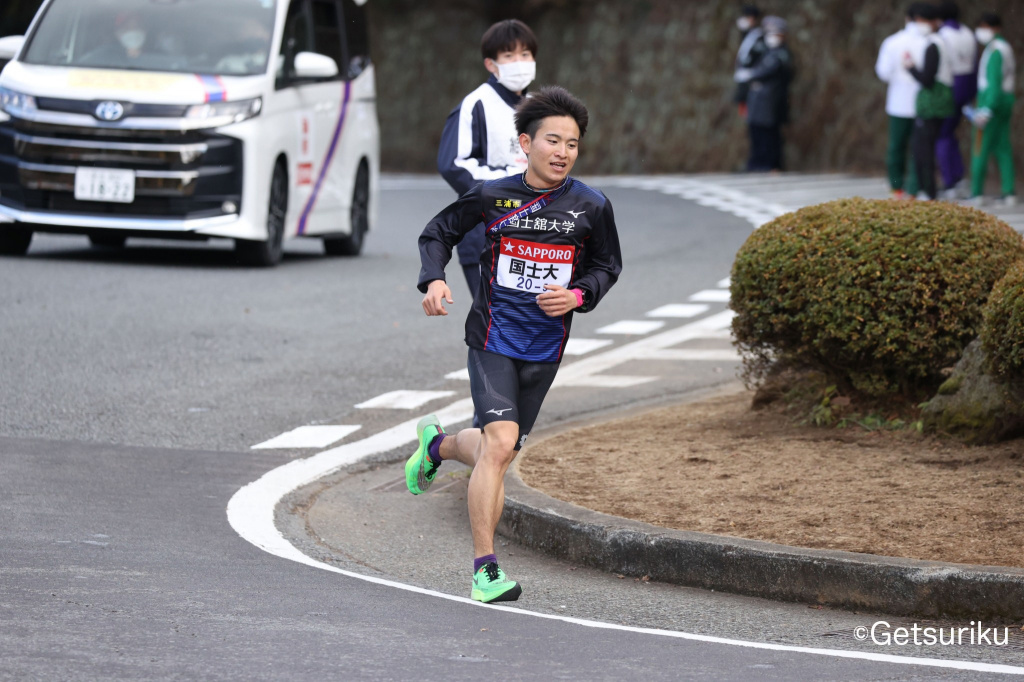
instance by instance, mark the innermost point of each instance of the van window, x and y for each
(357, 39)
(327, 31)
(227, 37)
(298, 37)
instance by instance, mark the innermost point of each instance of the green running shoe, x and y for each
(490, 584)
(419, 469)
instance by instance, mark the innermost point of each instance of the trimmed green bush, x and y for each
(1002, 332)
(880, 295)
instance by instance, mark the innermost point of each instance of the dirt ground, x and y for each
(718, 467)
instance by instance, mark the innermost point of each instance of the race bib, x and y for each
(528, 266)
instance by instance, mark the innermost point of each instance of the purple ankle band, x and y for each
(434, 449)
(480, 561)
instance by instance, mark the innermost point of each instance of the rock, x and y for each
(974, 406)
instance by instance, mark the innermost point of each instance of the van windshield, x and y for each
(222, 37)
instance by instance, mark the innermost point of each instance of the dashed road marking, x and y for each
(678, 310)
(458, 375)
(631, 327)
(308, 437)
(403, 400)
(584, 346)
(711, 296)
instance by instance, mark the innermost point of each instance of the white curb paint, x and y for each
(251, 513)
(678, 310)
(403, 400)
(307, 437)
(631, 327)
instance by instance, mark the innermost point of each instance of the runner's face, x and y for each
(551, 152)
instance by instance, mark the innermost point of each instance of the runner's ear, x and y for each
(524, 142)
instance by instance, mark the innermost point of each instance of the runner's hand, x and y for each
(556, 301)
(437, 293)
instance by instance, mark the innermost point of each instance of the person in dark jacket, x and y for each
(479, 141)
(768, 97)
(934, 99)
(752, 48)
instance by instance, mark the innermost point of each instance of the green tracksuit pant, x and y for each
(993, 140)
(900, 130)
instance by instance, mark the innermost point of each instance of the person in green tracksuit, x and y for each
(996, 76)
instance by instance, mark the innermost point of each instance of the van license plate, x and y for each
(105, 184)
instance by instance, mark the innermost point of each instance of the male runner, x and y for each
(551, 247)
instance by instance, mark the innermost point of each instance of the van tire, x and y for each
(14, 241)
(359, 218)
(267, 253)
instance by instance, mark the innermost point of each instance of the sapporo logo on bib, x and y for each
(528, 266)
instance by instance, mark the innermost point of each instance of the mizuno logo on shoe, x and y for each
(498, 412)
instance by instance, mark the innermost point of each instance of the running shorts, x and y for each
(507, 389)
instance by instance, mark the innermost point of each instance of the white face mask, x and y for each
(133, 40)
(984, 35)
(744, 24)
(516, 75)
(772, 41)
(924, 28)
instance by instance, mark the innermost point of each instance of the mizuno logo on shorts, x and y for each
(498, 412)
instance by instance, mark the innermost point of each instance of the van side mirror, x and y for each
(313, 65)
(10, 46)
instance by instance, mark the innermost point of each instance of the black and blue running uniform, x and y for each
(565, 236)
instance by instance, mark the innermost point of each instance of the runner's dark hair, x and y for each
(750, 11)
(504, 36)
(549, 101)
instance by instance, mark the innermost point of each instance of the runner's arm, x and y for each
(602, 260)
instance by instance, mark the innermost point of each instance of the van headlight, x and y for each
(16, 103)
(215, 114)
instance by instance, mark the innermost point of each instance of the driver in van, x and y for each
(129, 38)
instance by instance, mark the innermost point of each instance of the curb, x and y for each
(850, 580)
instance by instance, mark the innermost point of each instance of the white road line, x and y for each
(582, 372)
(724, 283)
(458, 375)
(631, 327)
(307, 437)
(251, 514)
(251, 510)
(584, 346)
(678, 310)
(403, 400)
(694, 354)
(711, 296)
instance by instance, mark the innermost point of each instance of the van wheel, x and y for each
(268, 253)
(359, 216)
(108, 241)
(14, 241)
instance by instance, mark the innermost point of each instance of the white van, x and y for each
(253, 120)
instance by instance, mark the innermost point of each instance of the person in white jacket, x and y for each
(900, 100)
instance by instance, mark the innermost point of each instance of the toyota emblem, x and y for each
(109, 111)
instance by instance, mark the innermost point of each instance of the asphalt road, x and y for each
(134, 383)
